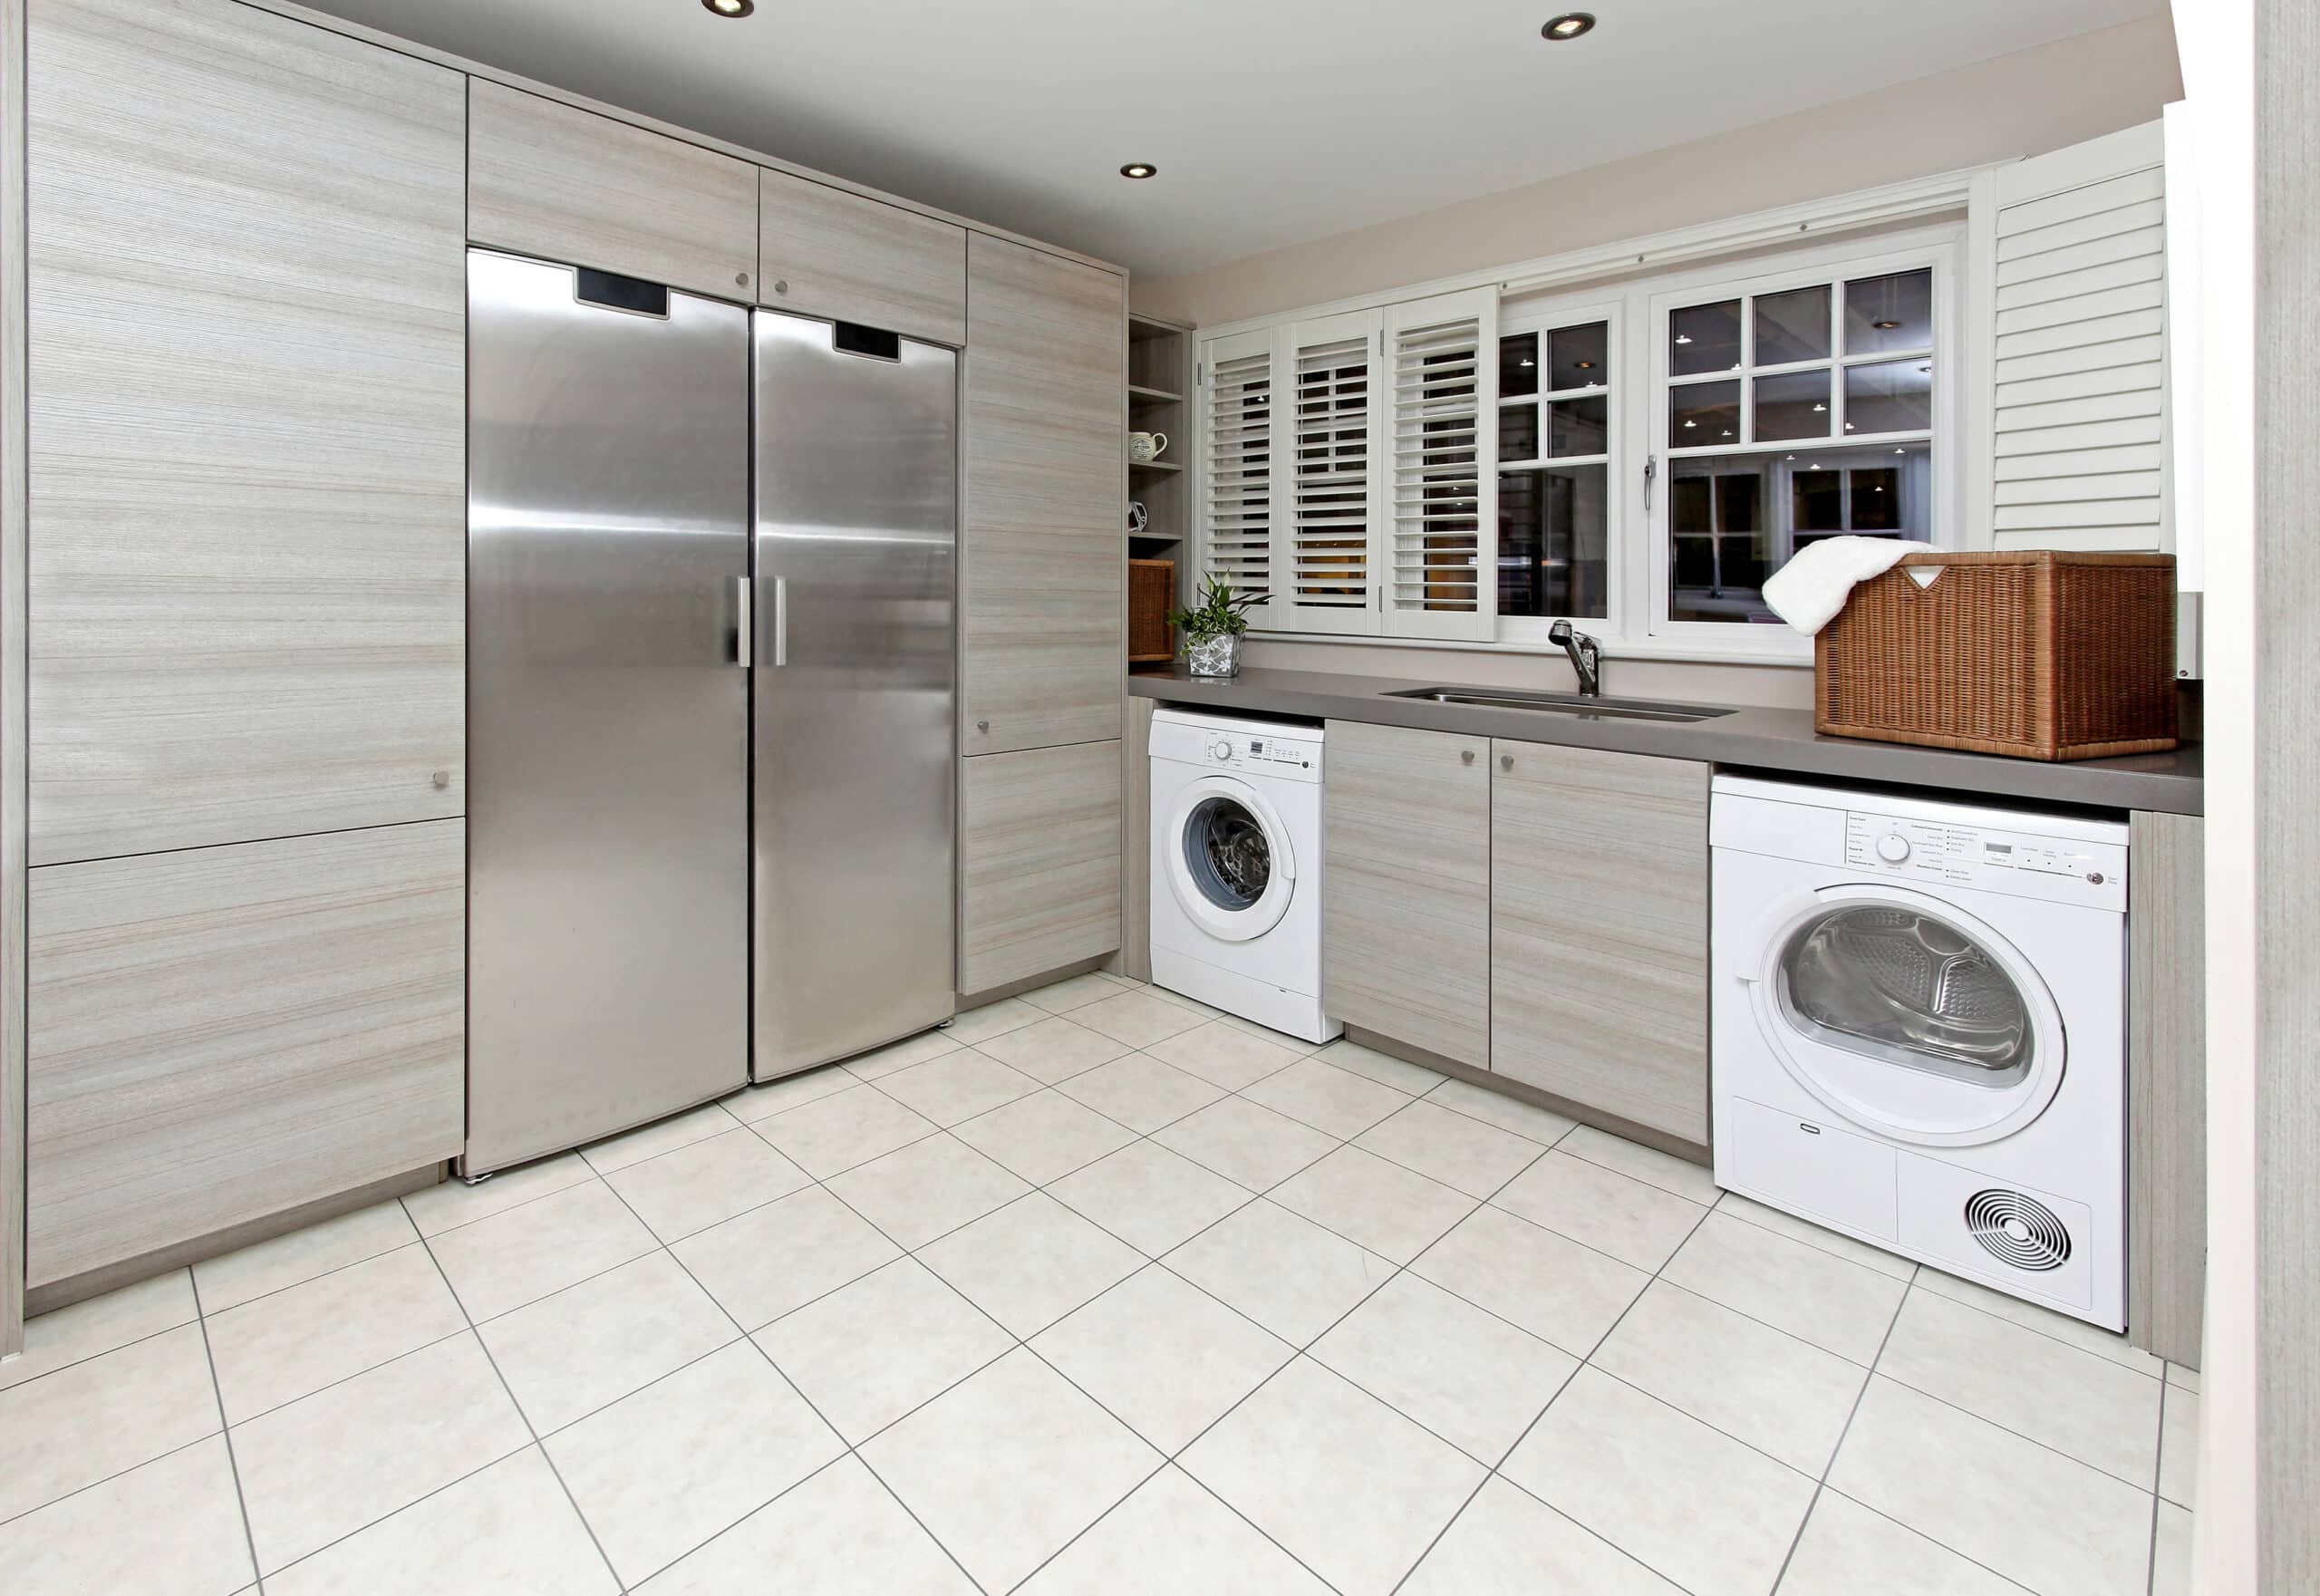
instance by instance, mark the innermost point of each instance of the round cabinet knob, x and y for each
(1506, 762)
(1466, 755)
(781, 284)
(983, 726)
(440, 779)
(1892, 849)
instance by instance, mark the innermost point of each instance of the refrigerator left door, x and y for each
(608, 539)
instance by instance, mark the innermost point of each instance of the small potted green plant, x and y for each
(1213, 628)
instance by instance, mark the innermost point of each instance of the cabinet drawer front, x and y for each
(1598, 931)
(552, 180)
(824, 252)
(1040, 850)
(247, 535)
(1044, 563)
(221, 1034)
(1405, 887)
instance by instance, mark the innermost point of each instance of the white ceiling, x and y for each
(1273, 121)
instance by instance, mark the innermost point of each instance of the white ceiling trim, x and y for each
(1917, 199)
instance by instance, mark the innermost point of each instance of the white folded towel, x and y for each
(1808, 592)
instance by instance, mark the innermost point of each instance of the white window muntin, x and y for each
(1541, 318)
(1937, 248)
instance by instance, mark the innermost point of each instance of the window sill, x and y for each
(1797, 656)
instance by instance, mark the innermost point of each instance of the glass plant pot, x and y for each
(1214, 657)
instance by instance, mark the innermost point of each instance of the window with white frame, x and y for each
(1786, 411)
(1637, 456)
(1557, 424)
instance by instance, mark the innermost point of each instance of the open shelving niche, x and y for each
(1159, 390)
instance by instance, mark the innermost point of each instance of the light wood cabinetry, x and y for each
(2167, 1187)
(1598, 931)
(1039, 844)
(1406, 902)
(222, 1033)
(1044, 558)
(553, 180)
(824, 252)
(247, 523)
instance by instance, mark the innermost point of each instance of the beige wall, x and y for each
(2016, 105)
(2020, 104)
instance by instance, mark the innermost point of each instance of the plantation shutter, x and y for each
(1441, 534)
(2078, 302)
(1324, 569)
(1237, 487)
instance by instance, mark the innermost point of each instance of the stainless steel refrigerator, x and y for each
(672, 555)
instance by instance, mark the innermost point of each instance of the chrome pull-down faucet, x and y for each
(1586, 657)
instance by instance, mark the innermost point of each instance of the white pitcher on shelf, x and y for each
(1144, 447)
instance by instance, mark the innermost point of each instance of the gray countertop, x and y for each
(1780, 740)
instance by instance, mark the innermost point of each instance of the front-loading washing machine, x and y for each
(1919, 1019)
(1236, 867)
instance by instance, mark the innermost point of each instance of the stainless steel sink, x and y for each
(1565, 703)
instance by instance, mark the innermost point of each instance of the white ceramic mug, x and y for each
(1146, 446)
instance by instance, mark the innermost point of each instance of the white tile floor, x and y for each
(1094, 1292)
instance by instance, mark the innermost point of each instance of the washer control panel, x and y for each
(1249, 751)
(1979, 855)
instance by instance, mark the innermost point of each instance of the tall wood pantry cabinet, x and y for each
(246, 550)
(1043, 600)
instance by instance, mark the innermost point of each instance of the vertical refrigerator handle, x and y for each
(780, 620)
(744, 622)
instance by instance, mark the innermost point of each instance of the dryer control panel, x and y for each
(1966, 854)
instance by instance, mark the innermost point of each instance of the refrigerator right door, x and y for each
(854, 861)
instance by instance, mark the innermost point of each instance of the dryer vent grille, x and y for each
(2017, 1230)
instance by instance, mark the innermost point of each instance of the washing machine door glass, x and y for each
(1232, 869)
(1909, 987)
(1909, 1016)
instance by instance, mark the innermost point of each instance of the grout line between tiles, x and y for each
(1821, 1482)
(529, 1428)
(225, 1431)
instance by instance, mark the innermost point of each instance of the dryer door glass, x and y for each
(1904, 986)
(1227, 853)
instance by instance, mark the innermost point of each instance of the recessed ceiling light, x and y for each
(1526, 361)
(1683, 337)
(1586, 365)
(1569, 25)
(1884, 326)
(729, 7)
(1819, 408)
(1139, 170)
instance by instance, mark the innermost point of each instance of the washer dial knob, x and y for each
(1893, 848)
(1223, 749)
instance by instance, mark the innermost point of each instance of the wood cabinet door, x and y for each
(824, 252)
(1040, 846)
(549, 179)
(2167, 1079)
(220, 1034)
(1405, 887)
(1598, 931)
(247, 484)
(1043, 570)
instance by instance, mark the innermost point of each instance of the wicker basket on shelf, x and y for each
(2041, 655)
(1151, 594)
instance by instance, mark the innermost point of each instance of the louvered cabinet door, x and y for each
(1043, 563)
(1324, 564)
(1405, 887)
(2079, 305)
(1241, 396)
(1598, 931)
(247, 535)
(1440, 576)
